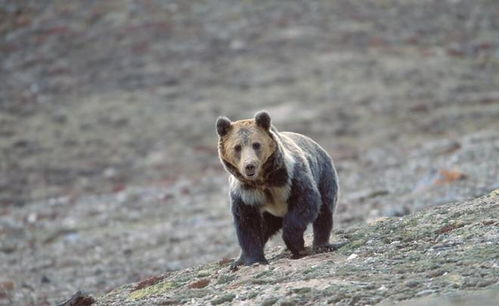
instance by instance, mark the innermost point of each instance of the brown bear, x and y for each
(278, 180)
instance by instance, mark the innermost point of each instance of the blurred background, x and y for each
(108, 164)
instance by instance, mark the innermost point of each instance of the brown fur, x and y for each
(254, 134)
(286, 182)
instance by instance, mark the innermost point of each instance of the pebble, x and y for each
(269, 301)
(425, 292)
(353, 256)
(411, 283)
(485, 283)
(223, 299)
(7, 285)
(203, 273)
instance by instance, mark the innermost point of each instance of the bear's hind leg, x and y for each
(323, 225)
(322, 228)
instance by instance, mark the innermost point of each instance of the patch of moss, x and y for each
(292, 302)
(414, 256)
(156, 289)
(336, 293)
(204, 273)
(223, 299)
(223, 279)
(185, 278)
(350, 247)
(311, 270)
(198, 293)
(252, 295)
(263, 273)
(303, 290)
(261, 282)
(269, 301)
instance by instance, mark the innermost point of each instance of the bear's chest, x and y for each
(276, 201)
(272, 200)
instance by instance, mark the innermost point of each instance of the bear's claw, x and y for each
(330, 247)
(242, 262)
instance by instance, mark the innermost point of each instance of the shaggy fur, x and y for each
(279, 180)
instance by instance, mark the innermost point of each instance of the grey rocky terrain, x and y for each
(108, 166)
(444, 250)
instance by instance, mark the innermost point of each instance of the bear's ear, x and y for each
(223, 126)
(262, 119)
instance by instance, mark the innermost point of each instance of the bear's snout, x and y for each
(250, 169)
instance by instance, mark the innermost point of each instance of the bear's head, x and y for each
(245, 145)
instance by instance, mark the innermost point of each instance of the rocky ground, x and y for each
(108, 168)
(442, 250)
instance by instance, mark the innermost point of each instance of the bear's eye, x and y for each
(256, 145)
(237, 148)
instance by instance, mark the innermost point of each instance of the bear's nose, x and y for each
(250, 169)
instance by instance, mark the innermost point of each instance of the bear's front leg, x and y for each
(303, 207)
(249, 229)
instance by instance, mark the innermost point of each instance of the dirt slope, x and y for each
(438, 251)
(108, 165)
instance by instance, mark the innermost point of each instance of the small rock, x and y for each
(78, 299)
(8, 246)
(223, 299)
(411, 283)
(396, 211)
(72, 237)
(456, 280)
(7, 285)
(204, 273)
(494, 193)
(302, 290)
(353, 256)
(425, 292)
(59, 117)
(470, 283)
(237, 45)
(485, 283)
(290, 302)
(224, 261)
(382, 288)
(435, 273)
(109, 173)
(148, 282)
(45, 279)
(438, 177)
(199, 283)
(269, 301)
(370, 286)
(32, 217)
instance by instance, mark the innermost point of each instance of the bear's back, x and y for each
(313, 154)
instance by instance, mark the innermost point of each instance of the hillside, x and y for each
(439, 251)
(109, 172)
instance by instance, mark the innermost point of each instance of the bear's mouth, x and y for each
(250, 175)
(250, 171)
